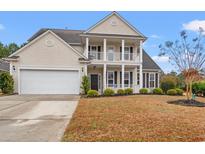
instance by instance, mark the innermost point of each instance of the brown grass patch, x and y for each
(136, 118)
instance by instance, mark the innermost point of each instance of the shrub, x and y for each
(120, 92)
(157, 91)
(6, 83)
(108, 92)
(128, 91)
(168, 82)
(92, 93)
(199, 87)
(143, 91)
(85, 85)
(172, 92)
(179, 91)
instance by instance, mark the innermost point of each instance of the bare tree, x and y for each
(188, 55)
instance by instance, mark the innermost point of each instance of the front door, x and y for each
(94, 82)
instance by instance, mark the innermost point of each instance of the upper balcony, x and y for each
(113, 50)
(113, 56)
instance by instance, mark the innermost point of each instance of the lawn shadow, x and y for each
(184, 102)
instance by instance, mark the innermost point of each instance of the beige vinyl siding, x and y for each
(107, 27)
(40, 55)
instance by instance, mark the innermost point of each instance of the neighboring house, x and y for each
(110, 53)
(4, 66)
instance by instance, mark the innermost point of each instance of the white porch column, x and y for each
(85, 69)
(141, 77)
(10, 68)
(123, 49)
(123, 76)
(141, 51)
(86, 46)
(158, 80)
(104, 49)
(135, 80)
(104, 76)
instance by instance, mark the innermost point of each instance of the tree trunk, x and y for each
(190, 86)
(187, 91)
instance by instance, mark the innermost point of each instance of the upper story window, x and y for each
(128, 53)
(95, 52)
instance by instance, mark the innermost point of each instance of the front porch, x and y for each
(114, 76)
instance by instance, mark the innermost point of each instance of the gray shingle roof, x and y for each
(148, 62)
(73, 36)
(69, 36)
(4, 66)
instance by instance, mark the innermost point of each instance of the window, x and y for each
(110, 79)
(95, 52)
(151, 80)
(138, 79)
(126, 79)
(110, 53)
(127, 53)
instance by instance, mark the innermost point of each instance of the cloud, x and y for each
(155, 36)
(161, 59)
(2, 27)
(194, 25)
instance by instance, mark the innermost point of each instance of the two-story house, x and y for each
(110, 53)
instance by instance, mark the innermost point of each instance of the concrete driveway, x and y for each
(35, 117)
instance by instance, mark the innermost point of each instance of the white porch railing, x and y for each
(113, 56)
(95, 55)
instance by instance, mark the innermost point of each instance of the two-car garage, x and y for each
(49, 81)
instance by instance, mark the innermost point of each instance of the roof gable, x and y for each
(42, 35)
(114, 24)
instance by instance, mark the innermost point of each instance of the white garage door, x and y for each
(49, 82)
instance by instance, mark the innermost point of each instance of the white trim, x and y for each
(141, 77)
(40, 36)
(117, 37)
(99, 82)
(104, 49)
(113, 72)
(44, 68)
(108, 16)
(87, 47)
(104, 76)
(123, 49)
(31, 67)
(128, 78)
(123, 76)
(151, 80)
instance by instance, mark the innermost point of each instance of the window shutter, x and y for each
(120, 77)
(99, 50)
(120, 53)
(89, 48)
(147, 80)
(156, 80)
(143, 80)
(115, 77)
(131, 53)
(131, 78)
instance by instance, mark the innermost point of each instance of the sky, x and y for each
(159, 27)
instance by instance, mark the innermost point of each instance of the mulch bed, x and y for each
(185, 102)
